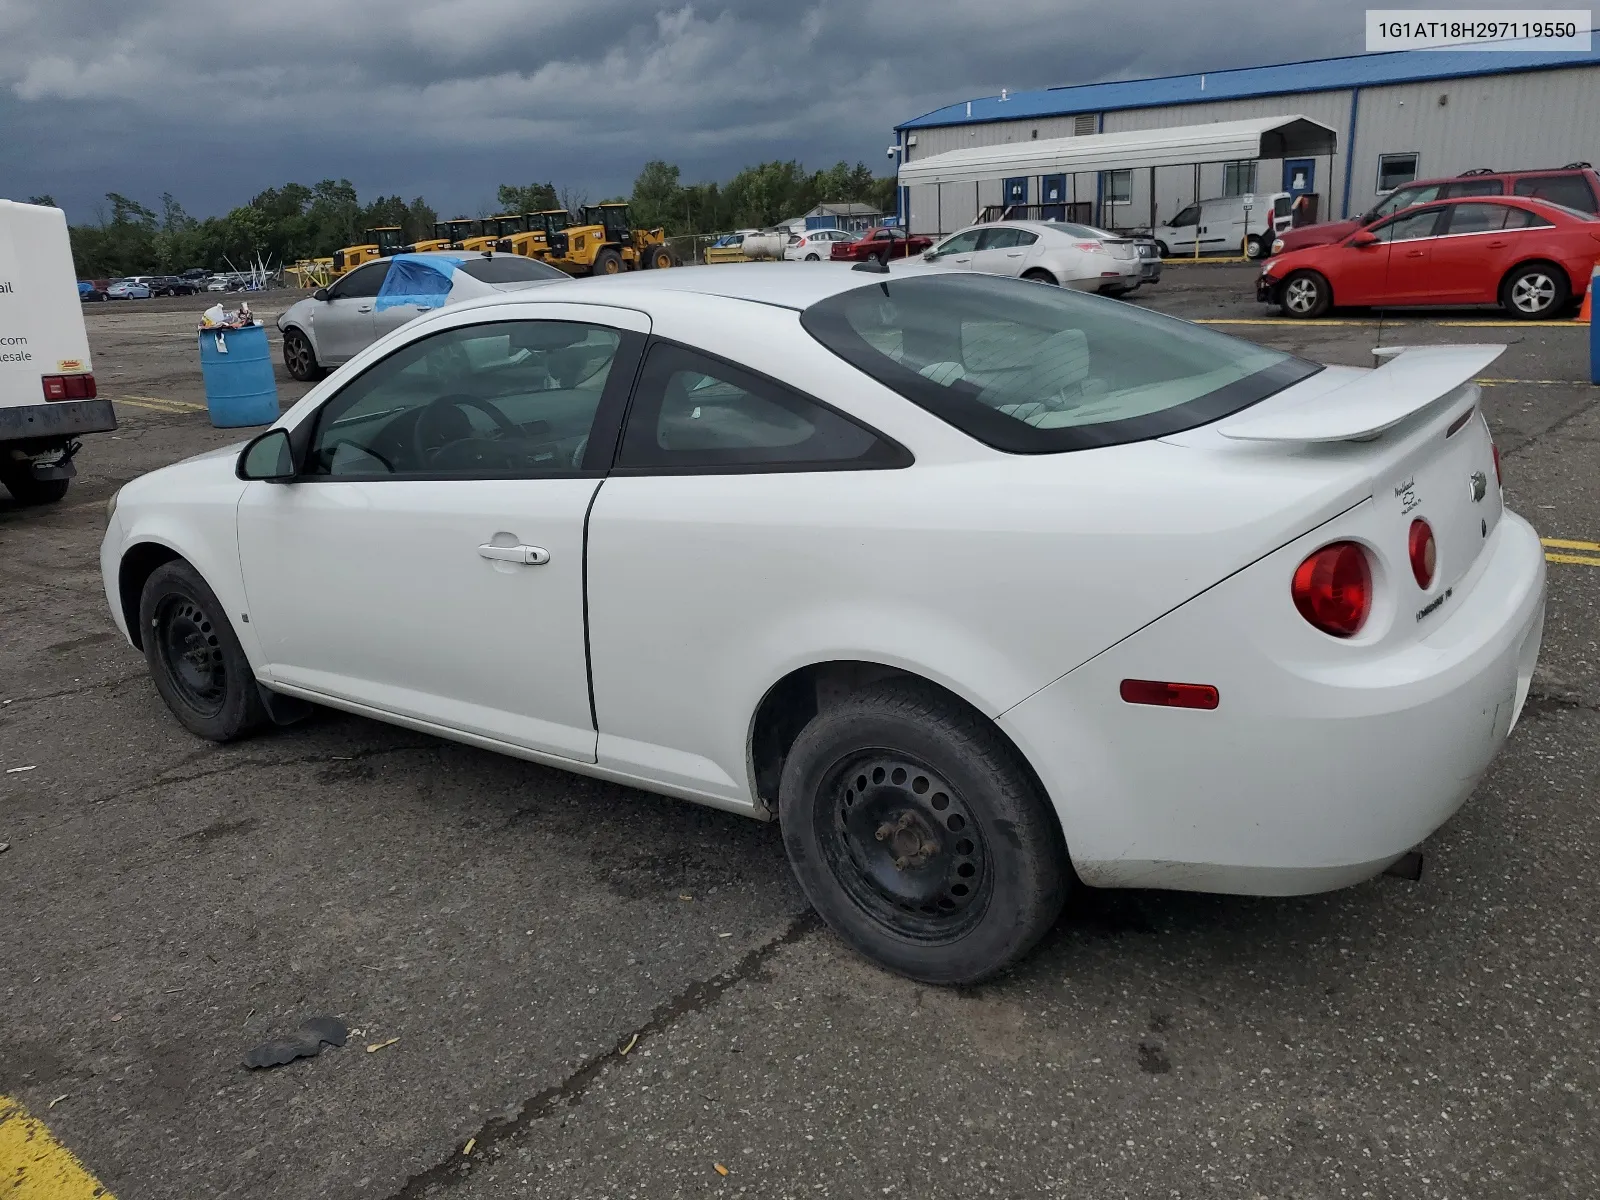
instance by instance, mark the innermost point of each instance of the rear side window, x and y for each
(1473, 187)
(1030, 369)
(509, 268)
(1479, 218)
(694, 412)
(1521, 218)
(1572, 191)
(1005, 237)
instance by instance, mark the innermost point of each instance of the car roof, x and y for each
(783, 285)
(1535, 172)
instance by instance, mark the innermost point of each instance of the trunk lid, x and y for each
(1411, 437)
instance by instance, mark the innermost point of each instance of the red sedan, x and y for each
(1530, 257)
(883, 243)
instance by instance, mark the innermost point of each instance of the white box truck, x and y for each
(47, 391)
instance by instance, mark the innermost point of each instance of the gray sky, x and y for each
(449, 98)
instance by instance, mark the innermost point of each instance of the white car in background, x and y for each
(982, 588)
(1077, 256)
(335, 323)
(815, 245)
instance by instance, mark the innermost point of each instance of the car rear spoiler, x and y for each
(1412, 378)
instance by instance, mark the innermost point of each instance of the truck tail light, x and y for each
(69, 387)
(1332, 589)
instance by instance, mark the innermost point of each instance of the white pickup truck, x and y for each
(47, 391)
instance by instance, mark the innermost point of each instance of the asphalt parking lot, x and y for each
(564, 988)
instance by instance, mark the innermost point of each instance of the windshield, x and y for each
(1404, 198)
(1032, 369)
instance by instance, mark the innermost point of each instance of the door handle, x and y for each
(1013, 253)
(1500, 245)
(1416, 253)
(532, 556)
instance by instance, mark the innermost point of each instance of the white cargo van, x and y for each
(47, 392)
(1221, 225)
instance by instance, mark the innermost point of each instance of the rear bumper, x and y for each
(1304, 779)
(64, 418)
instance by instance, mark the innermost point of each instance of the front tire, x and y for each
(300, 357)
(1305, 295)
(659, 258)
(608, 262)
(919, 835)
(1534, 291)
(195, 658)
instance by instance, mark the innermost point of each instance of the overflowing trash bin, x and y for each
(236, 364)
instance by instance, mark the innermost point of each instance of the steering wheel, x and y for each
(429, 415)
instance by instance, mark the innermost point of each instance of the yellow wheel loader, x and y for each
(604, 242)
(381, 243)
(532, 240)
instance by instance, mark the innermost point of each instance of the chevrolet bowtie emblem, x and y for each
(1479, 485)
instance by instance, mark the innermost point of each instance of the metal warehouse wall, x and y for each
(1527, 119)
(1508, 122)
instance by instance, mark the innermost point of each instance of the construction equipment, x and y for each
(604, 243)
(532, 240)
(446, 234)
(492, 230)
(381, 243)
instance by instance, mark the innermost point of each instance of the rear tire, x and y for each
(608, 262)
(1306, 294)
(1253, 246)
(920, 836)
(1039, 275)
(813, 258)
(1534, 291)
(300, 357)
(27, 489)
(195, 658)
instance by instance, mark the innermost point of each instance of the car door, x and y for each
(1003, 250)
(957, 249)
(342, 325)
(1472, 252)
(427, 562)
(1408, 276)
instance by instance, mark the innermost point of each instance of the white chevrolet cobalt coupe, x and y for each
(983, 588)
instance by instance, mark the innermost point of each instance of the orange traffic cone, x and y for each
(1583, 309)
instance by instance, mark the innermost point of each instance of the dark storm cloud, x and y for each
(449, 98)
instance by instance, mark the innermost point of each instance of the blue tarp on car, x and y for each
(419, 280)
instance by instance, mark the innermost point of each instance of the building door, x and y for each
(1015, 191)
(1053, 198)
(1299, 175)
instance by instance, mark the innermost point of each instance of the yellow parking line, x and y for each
(1318, 324)
(180, 405)
(1569, 544)
(1537, 382)
(34, 1166)
(1576, 560)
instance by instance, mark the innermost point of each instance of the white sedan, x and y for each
(1076, 256)
(983, 589)
(815, 245)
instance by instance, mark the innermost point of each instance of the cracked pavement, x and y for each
(604, 993)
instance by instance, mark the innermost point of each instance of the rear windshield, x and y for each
(509, 268)
(1032, 369)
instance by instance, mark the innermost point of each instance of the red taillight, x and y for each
(69, 387)
(1169, 695)
(1424, 552)
(1333, 589)
(1496, 451)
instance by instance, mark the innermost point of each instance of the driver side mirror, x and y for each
(320, 294)
(929, 255)
(1362, 238)
(268, 457)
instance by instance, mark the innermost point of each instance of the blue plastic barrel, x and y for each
(237, 367)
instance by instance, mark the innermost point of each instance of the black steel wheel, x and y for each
(919, 834)
(300, 357)
(903, 842)
(27, 488)
(194, 656)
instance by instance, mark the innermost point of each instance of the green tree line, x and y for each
(295, 221)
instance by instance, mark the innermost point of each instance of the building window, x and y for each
(1395, 170)
(1118, 187)
(1239, 178)
(1083, 124)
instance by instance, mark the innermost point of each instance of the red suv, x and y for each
(1576, 185)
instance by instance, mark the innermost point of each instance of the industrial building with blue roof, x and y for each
(1397, 116)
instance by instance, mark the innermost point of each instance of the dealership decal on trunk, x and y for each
(1407, 495)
